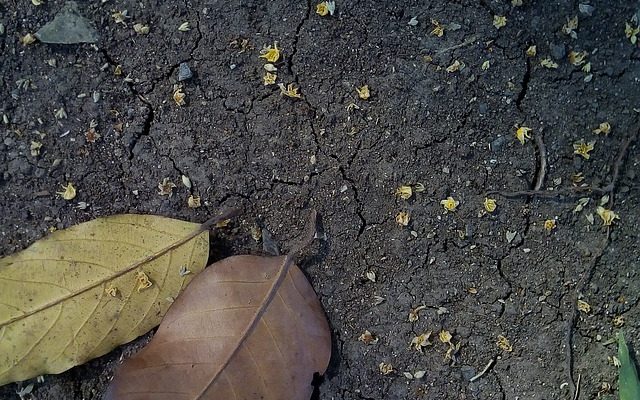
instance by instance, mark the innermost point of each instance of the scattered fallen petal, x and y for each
(402, 218)
(450, 204)
(504, 344)
(270, 53)
(184, 27)
(404, 192)
(489, 204)
(499, 21)
(368, 338)
(363, 92)
(549, 225)
(69, 192)
(603, 128)
(584, 306)
(582, 149)
(607, 216)
(165, 188)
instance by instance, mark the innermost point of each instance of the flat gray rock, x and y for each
(68, 27)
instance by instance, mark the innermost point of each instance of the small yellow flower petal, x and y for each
(269, 79)
(532, 51)
(271, 54)
(363, 92)
(403, 218)
(581, 148)
(550, 225)
(504, 344)
(499, 21)
(604, 128)
(179, 96)
(584, 306)
(607, 216)
(69, 192)
(548, 63)
(449, 204)
(522, 134)
(404, 192)
(289, 91)
(322, 9)
(489, 204)
(438, 30)
(445, 336)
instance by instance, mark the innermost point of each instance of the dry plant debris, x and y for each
(414, 314)
(368, 338)
(326, 8)
(165, 188)
(583, 149)
(421, 341)
(69, 192)
(489, 204)
(402, 218)
(607, 216)
(385, 368)
(270, 53)
(548, 63)
(363, 92)
(450, 204)
(438, 29)
(290, 91)
(269, 79)
(193, 201)
(532, 51)
(584, 306)
(404, 192)
(603, 128)
(504, 344)
(185, 27)
(522, 134)
(499, 21)
(549, 225)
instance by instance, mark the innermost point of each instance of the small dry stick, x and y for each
(457, 46)
(484, 370)
(577, 392)
(542, 171)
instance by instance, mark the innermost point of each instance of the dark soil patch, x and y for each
(243, 144)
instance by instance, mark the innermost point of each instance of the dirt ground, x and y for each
(242, 143)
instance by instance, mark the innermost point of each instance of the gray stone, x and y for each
(269, 245)
(184, 72)
(558, 51)
(68, 27)
(497, 143)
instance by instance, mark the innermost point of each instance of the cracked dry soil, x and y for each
(242, 144)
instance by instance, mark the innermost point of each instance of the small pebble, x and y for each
(558, 51)
(184, 72)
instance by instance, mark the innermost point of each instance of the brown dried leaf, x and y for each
(247, 327)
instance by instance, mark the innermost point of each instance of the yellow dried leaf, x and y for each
(603, 128)
(449, 204)
(582, 149)
(69, 192)
(499, 21)
(504, 344)
(522, 133)
(607, 216)
(404, 192)
(584, 306)
(73, 275)
(402, 218)
(489, 204)
(363, 92)
(270, 53)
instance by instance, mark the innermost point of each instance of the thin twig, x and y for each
(577, 392)
(542, 170)
(457, 46)
(484, 370)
